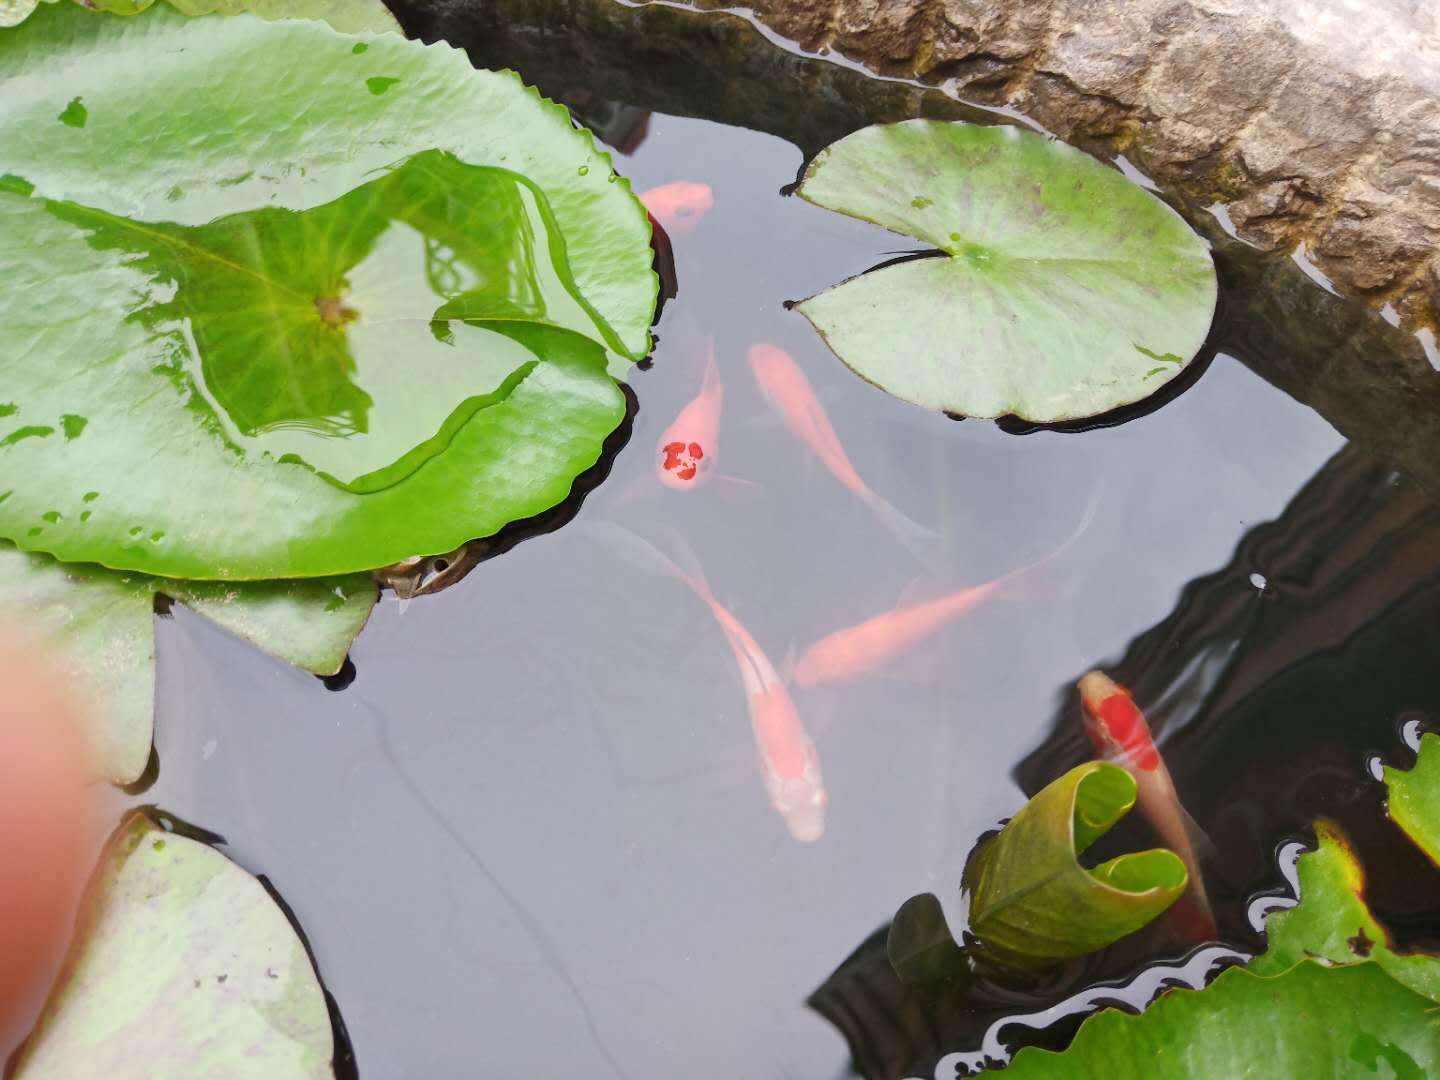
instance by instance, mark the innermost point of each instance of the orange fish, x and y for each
(858, 650)
(789, 393)
(1118, 730)
(789, 763)
(679, 206)
(686, 449)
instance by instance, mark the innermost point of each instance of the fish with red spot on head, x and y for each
(685, 451)
(1117, 729)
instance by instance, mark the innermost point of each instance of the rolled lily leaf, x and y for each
(1059, 289)
(1312, 1021)
(1415, 797)
(183, 967)
(100, 624)
(1333, 924)
(1031, 900)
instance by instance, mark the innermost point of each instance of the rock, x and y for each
(1317, 121)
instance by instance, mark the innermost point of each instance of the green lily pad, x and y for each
(205, 304)
(1311, 1021)
(1332, 922)
(1414, 801)
(1062, 290)
(101, 625)
(1031, 902)
(347, 16)
(183, 966)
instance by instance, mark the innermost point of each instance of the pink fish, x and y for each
(858, 650)
(1118, 731)
(686, 450)
(789, 393)
(679, 206)
(789, 764)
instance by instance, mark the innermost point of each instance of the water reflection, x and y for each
(290, 324)
(1268, 699)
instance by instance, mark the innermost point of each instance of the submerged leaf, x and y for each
(1061, 290)
(100, 623)
(1309, 1022)
(1032, 901)
(353, 330)
(183, 967)
(1415, 797)
(1333, 923)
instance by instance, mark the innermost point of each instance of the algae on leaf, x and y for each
(1060, 290)
(100, 625)
(214, 289)
(183, 966)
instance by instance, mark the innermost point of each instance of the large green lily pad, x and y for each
(183, 967)
(295, 327)
(100, 624)
(1032, 902)
(347, 16)
(1310, 1022)
(1414, 801)
(1062, 290)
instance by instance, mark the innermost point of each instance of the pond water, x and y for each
(531, 839)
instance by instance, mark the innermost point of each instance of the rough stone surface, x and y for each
(1317, 121)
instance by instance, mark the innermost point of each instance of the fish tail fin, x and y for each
(710, 383)
(640, 553)
(925, 544)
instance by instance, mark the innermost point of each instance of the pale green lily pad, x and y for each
(156, 355)
(100, 624)
(1332, 922)
(1311, 1021)
(1062, 291)
(1031, 902)
(1414, 801)
(347, 16)
(183, 967)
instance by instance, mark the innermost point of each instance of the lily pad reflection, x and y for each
(356, 336)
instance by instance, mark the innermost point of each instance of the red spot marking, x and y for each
(687, 473)
(672, 455)
(696, 452)
(1126, 726)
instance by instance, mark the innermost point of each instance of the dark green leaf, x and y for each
(1309, 1022)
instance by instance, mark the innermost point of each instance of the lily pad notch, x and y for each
(1061, 290)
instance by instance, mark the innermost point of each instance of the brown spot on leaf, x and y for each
(1360, 944)
(333, 312)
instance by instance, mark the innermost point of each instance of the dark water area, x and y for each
(530, 838)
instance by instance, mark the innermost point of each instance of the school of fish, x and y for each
(686, 455)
